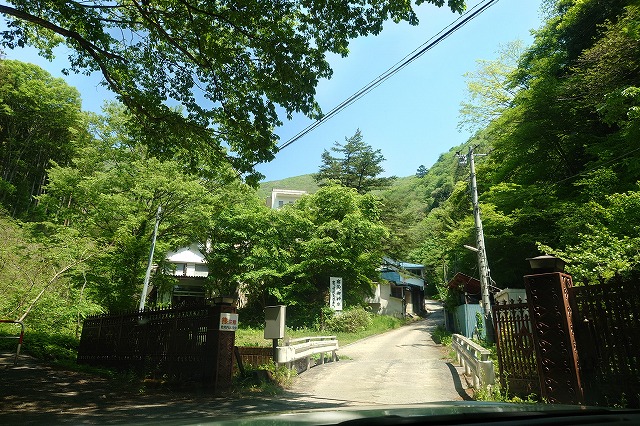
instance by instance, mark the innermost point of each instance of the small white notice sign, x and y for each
(228, 322)
(335, 293)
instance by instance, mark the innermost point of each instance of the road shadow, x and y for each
(457, 382)
(33, 393)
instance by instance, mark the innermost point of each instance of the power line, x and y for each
(418, 52)
(606, 163)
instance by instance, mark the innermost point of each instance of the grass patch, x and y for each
(496, 394)
(379, 324)
(270, 379)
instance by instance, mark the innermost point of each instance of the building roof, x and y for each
(465, 283)
(407, 265)
(191, 254)
(392, 270)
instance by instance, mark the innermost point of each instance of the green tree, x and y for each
(230, 64)
(562, 149)
(490, 88)
(37, 264)
(40, 121)
(358, 167)
(287, 255)
(111, 195)
(241, 229)
(345, 241)
(555, 129)
(607, 239)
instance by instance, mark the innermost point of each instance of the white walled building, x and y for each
(281, 197)
(401, 291)
(189, 266)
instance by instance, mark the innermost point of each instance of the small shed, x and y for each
(461, 313)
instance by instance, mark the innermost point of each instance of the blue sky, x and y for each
(412, 117)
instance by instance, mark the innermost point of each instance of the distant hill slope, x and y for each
(306, 183)
(300, 183)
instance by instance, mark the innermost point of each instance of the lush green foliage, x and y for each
(562, 129)
(254, 336)
(40, 121)
(230, 65)
(110, 196)
(441, 336)
(287, 256)
(349, 321)
(358, 166)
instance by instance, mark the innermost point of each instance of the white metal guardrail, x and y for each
(305, 347)
(20, 337)
(475, 360)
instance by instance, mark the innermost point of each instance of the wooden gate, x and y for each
(183, 344)
(515, 348)
(607, 322)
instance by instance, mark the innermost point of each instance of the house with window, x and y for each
(400, 291)
(189, 267)
(281, 197)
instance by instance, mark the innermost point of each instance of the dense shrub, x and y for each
(51, 347)
(441, 336)
(349, 321)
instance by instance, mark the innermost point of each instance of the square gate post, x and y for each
(554, 337)
(221, 336)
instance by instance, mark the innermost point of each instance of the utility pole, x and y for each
(483, 264)
(147, 276)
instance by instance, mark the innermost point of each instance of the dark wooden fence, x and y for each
(606, 321)
(607, 325)
(170, 342)
(253, 356)
(515, 348)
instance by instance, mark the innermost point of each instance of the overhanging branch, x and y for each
(91, 48)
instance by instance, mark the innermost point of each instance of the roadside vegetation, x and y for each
(344, 327)
(79, 191)
(487, 393)
(350, 326)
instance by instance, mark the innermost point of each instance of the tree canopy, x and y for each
(287, 255)
(229, 65)
(358, 167)
(562, 174)
(40, 121)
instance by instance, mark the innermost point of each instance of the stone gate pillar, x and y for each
(553, 333)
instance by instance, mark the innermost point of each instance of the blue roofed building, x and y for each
(400, 291)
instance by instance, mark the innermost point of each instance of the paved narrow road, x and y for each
(399, 367)
(403, 366)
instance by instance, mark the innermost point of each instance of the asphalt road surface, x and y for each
(399, 367)
(403, 366)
